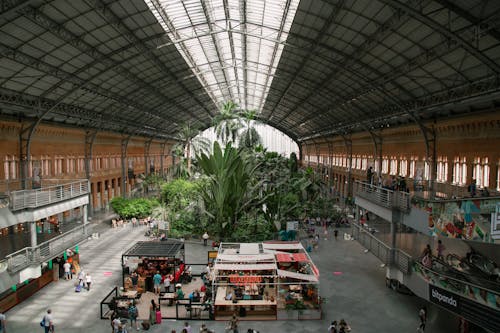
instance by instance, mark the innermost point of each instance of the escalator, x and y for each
(466, 292)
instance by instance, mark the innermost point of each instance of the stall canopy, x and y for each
(169, 248)
(291, 257)
(244, 267)
(282, 246)
(298, 276)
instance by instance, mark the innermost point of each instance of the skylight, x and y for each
(232, 46)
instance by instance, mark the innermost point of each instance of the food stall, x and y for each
(257, 280)
(147, 257)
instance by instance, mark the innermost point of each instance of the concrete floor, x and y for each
(357, 293)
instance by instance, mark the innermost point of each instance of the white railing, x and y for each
(48, 195)
(47, 250)
(382, 196)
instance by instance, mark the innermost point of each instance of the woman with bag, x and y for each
(152, 312)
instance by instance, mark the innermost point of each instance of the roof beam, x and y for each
(79, 43)
(116, 22)
(452, 36)
(320, 35)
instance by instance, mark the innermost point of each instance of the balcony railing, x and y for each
(43, 196)
(382, 196)
(382, 251)
(47, 250)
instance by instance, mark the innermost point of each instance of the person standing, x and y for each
(157, 282)
(48, 321)
(133, 313)
(472, 188)
(440, 250)
(234, 324)
(67, 270)
(369, 175)
(187, 327)
(152, 312)
(205, 238)
(88, 281)
(422, 315)
(2, 322)
(115, 323)
(333, 327)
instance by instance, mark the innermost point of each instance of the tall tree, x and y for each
(227, 123)
(249, 138)
(190, 142)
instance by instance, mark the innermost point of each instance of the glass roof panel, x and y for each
(233, 50)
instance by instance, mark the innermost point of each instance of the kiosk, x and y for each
(257, 281)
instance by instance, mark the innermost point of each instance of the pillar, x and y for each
(85, 219)
(33, 233)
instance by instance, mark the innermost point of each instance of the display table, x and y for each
(130, 294)
(167, 297)
(224, 307)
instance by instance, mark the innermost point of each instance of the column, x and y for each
(33, 233)
(85, 219)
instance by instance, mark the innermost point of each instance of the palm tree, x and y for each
(227, 123)
(190, 141)
(249, 138)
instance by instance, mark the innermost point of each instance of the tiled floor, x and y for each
(355, 292)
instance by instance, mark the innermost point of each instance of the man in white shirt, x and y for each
(49, 324)
(205, 238)
(67, 270)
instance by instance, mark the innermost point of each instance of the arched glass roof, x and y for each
(311, 69)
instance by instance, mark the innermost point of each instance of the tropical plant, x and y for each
(232, 188)
(128, 208)
(249, 137)
(190, 142)
(227, 123)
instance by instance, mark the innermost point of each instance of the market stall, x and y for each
(256, 280)
(148, 257)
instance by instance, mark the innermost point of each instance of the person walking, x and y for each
(234, 324)
(81, 276)
(133, 313)
(152, 312)
(48, 321)
(67, 270)
(422, 315)
(2, 322)
(205, 238)
(88, 281)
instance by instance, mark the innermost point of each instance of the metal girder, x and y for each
(10, 97)
(468, 16)
(243, 22)
(348, 147)
(79, 83)
(124, 145)
(353, 58)
(453, 36)
(89, 144)
(79, 43)
(162, 157)
(320, 35)
(9, 6)
(420, 106)
(377, 154)
(147, 146)
(117, 23)
(275, 50)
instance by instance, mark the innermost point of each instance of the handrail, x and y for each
(43, 196)
(383, 196)
(104, 300)
(388, 255)
(458, 286)
(44, 251)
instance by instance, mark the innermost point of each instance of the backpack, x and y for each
(132, 311)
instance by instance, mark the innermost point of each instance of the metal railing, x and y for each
(47, 250)
(23, 199)
(382, 196)
(400, 259)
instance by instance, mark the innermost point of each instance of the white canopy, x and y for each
(298, 276)
(244, 267)
(282, 246)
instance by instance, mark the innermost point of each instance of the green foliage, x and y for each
(128, 208)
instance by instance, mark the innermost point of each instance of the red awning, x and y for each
(291, 257)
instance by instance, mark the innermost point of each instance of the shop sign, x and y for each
(444, 298)
(244, 279)
(212, 254)
(292, 225)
